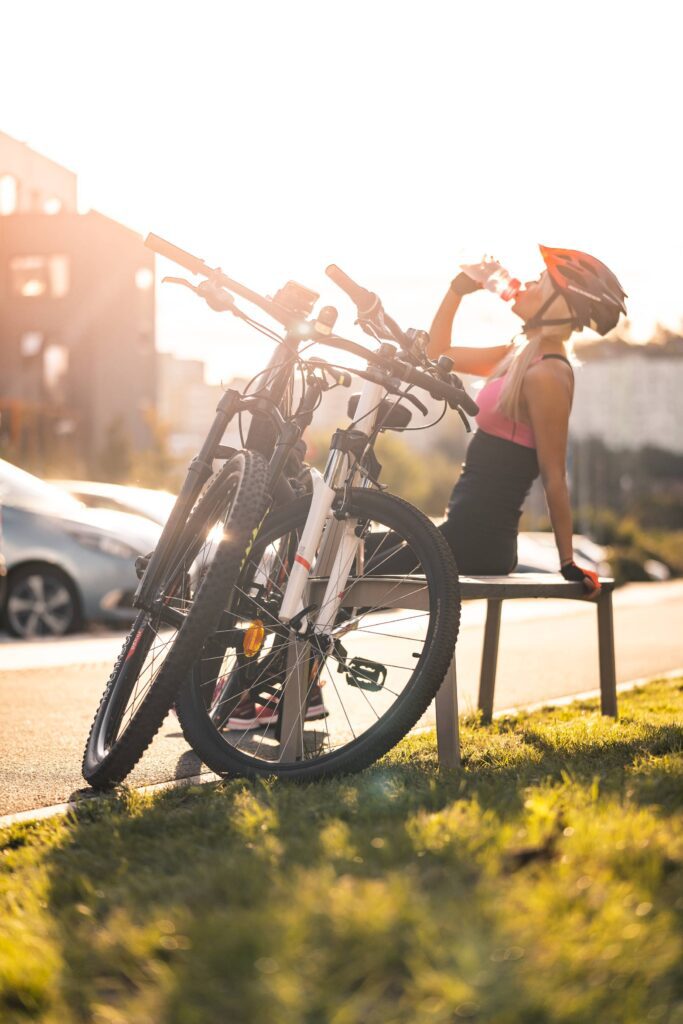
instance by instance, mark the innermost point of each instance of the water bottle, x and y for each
(490, 275)
(504, 284)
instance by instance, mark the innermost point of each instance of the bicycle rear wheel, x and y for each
(164, 640)
(386, 655)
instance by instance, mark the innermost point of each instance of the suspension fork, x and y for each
(198, 473)
(339, 470)
(276, 378)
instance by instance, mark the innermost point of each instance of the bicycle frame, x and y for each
(263, 434)
(337, 470)
(269, 433)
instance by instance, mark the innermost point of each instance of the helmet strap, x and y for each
(538, 321)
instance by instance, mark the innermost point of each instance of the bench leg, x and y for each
(447, 726)
(608, 674)
(294, 702)
(489, 659)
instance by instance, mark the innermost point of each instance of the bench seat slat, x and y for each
(525, 584)
(407, 592)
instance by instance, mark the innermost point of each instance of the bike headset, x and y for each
(592, 292)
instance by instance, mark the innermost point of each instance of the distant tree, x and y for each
(115, 459)
(155, 465)
(424, 478)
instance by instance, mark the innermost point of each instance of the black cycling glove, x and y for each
(575, 574)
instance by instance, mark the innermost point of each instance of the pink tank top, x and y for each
(492, 421)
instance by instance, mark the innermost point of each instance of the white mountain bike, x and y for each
(323, 659)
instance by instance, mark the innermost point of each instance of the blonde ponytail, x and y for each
(515, 365)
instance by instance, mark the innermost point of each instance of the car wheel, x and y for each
(41, 601)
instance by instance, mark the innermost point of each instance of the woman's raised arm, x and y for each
(479, 362)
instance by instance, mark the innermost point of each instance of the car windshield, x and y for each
(24, 490)
(155, 505)
(143, 500)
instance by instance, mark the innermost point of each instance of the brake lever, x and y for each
(339, 377)
(181, 280)
(217, 298)
(373, 322)
(394, 385)
(415, 401)
(463, 417)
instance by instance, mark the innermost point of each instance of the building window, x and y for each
(52, 205)
(144, 279)
(55, 369)
(31, 344)
(8, 194)
(32, 276)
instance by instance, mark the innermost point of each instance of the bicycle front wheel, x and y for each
(164, 640)
(361, 689)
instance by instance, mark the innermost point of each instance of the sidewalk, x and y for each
(548, 650)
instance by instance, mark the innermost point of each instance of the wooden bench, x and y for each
(387, 592)
(494, 590)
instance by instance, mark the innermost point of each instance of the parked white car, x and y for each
(66, 564)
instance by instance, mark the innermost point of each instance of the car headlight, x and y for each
(107, 545)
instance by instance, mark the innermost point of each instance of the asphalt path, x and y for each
(50, 689)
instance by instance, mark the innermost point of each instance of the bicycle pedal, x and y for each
(365, 674)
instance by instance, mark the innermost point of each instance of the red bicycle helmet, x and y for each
(589, 288)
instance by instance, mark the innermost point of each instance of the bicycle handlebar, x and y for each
(363, 299)
(441, 390)
(371, 313)
(177, 255)
(456, 397)
(368, 305)
(370, 309)
(216, 276)
(375, 320)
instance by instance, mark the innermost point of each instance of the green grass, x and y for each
(542, 883)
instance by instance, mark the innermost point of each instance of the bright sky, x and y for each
(392, 138)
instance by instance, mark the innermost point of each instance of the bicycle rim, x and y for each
(383, 668)
(145, 679)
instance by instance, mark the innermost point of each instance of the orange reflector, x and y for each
(253, 638)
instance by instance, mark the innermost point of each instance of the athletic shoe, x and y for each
(316, 708)
(250, 715)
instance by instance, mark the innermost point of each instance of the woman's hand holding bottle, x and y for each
(489, 274)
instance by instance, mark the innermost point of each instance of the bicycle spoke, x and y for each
(180, 601)
(382, 653)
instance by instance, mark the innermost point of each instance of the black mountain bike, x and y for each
(209, 532)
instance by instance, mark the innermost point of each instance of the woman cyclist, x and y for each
(522, 430)
(524, 410)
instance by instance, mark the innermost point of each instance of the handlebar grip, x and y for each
(172, 252)
(468, 405)
(457, 398)
(363, 299)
